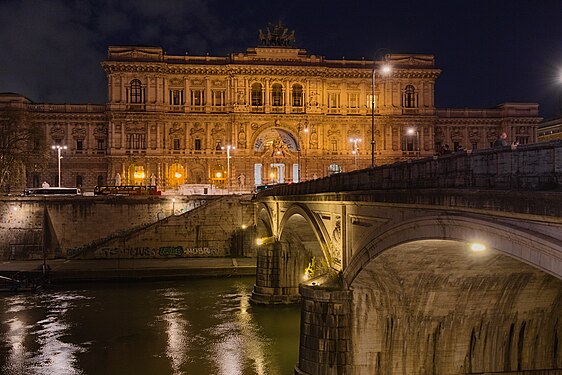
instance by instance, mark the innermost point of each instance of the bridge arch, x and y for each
(424, 303)
(300, 222)
(264, 221)
(535, 248)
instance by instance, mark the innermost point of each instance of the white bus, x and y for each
(52, 191)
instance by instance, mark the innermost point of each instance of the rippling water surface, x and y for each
(198, 327)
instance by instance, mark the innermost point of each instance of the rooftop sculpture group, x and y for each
(277, 36)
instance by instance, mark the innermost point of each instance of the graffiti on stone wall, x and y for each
(152, 252)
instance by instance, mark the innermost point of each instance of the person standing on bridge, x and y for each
(501, 141)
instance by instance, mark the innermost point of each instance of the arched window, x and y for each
(409, 98)
(276, 95)
(297, 95)
(257, 94)
(135, 92)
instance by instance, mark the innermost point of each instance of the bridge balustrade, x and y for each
(525, 167)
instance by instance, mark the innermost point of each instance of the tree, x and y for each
(22, 147)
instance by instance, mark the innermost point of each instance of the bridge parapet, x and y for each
(525, 167)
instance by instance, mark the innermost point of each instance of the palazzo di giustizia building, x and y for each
(280, 113)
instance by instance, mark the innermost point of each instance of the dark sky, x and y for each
(490, 51)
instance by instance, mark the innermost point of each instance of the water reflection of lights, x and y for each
(177, 331)
(241, 342)
(53, 356)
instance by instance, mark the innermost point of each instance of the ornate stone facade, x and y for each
(289, 115)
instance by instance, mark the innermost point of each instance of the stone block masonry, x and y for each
(97, 227)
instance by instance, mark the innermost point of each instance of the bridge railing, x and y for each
(525, 167)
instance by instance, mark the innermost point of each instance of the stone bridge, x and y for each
(449, 265)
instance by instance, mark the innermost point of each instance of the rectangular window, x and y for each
(176, 144)
(198, 145)
(101, 144)
(79, 145)
(136, 141)
(333, 100)
(176, 97)
(197, 98)
(353, 100)
(370, 101)
(218, 98)
(334, 145)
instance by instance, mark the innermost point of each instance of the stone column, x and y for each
(325, 337)
(275, 275)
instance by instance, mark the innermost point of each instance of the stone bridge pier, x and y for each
(458, 279)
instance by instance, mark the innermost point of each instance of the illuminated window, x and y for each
(409, 98)
(257, 94)
(297, 96)
(135, 92)
(277, 95)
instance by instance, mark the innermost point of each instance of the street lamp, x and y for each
(59, 148)
(385, 69)
(228, 148)
(299, 127)
(355, 150)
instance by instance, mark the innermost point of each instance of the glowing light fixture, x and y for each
(138, 174)
(177, 175)
(477, 247)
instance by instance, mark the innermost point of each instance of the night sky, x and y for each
(490, 51)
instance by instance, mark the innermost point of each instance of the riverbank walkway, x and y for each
(77, 270)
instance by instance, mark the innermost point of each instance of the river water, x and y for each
(199, 327)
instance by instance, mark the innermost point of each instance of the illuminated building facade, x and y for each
(287, 115)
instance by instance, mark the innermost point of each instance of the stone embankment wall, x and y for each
(33, 227)
(222, 227)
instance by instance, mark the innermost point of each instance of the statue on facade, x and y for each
(117, 179)
(153, 180)
(277, 35)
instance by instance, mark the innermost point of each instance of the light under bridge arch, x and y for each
(533, 247)
(424, 303)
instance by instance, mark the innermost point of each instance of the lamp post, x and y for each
(228, 148)
(59, 148)
(384, 70)
(299, 128)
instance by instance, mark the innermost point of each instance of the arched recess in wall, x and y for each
(274, 139)
(176, 175)
(218, 175)
(136, 174)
